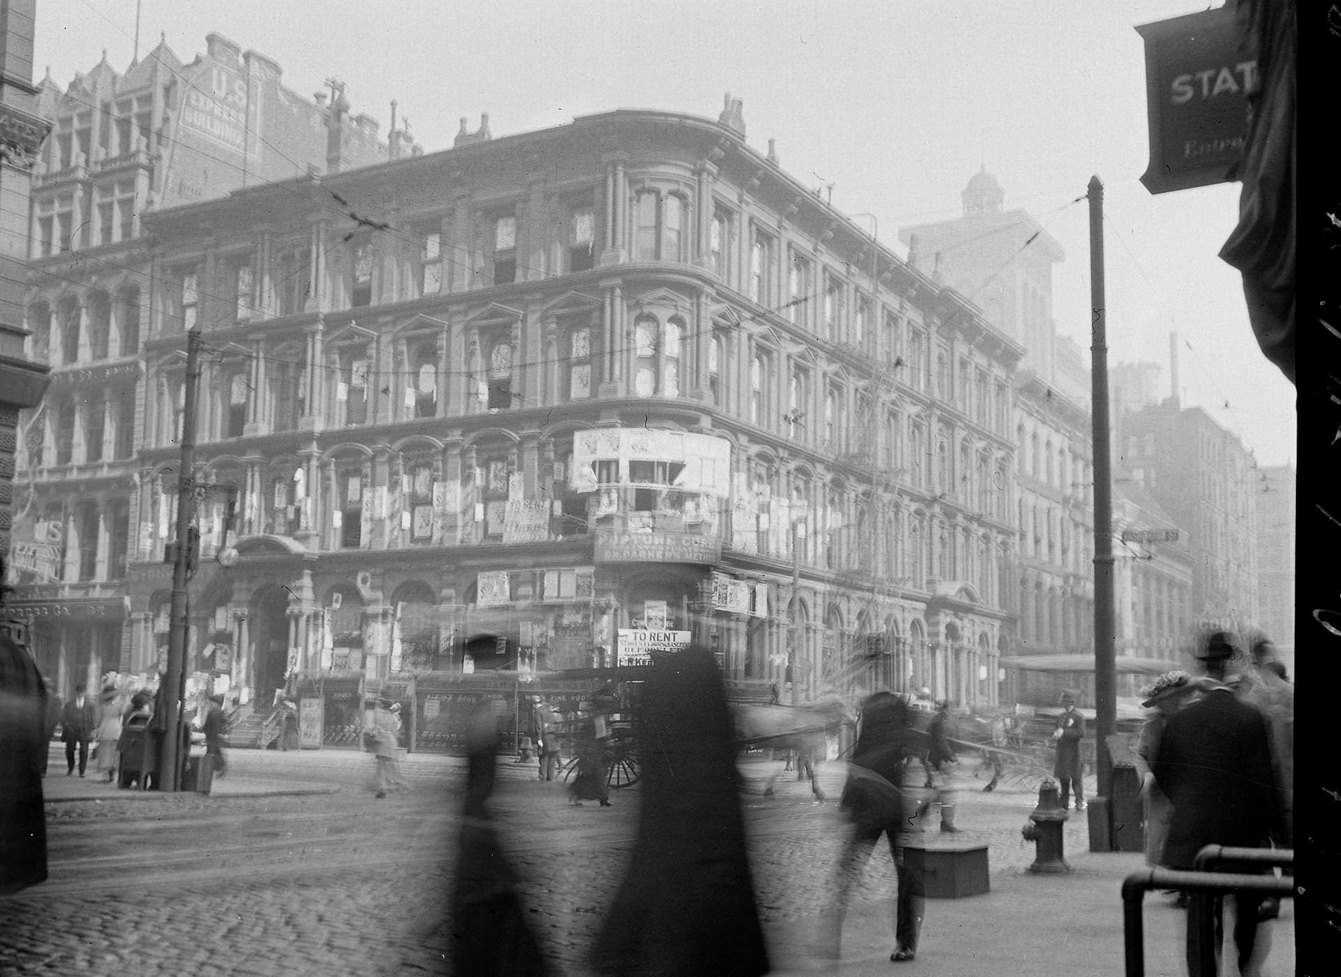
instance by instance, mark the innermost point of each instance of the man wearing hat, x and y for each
(1067, 766)
(1214, 763)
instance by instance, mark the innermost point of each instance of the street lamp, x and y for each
(798, 533)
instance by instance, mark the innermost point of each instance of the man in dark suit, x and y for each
(1214, 763)
(1067, 767)
(78, 718)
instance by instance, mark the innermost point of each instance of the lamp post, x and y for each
(794, 636)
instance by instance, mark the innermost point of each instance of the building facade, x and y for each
(589, 390)
(23, 377)
(122, 145)
(1003, 260)
(1275, 489)
(1204, 478)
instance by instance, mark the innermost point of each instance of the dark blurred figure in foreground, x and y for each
(686, 906)
(490, 935)
(24, 737)
(877, 803)
(1214, 763)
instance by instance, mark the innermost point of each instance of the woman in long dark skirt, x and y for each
(490, 933)
(686, 907)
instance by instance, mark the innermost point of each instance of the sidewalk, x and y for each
(1026, 924)
(57, 787)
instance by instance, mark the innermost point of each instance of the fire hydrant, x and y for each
(1046, 830)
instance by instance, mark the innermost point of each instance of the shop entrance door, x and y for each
(270, 644)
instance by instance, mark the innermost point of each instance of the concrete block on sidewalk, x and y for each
(949, 871)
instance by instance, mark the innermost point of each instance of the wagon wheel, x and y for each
(623, 762)
(568, 768)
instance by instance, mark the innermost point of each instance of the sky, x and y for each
(890, 106)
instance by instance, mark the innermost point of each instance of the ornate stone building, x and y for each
(123, 144)
(592, 390)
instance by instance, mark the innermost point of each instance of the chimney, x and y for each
(336, 150)
(1173, 368)
(733, 116)
(772, 153)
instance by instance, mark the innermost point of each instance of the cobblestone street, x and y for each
(339, 882)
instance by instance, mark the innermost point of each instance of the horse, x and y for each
(803, 729)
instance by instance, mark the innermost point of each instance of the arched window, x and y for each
(645, 356)
(757, 389)
(579, 363)
(796, 398)
(99, 325)
(670, 358)
(500, 376)
(39, 322)
(831, 438)
(645, 241)
(672, 221)
(128, 320)
(424, 378)
(352, 385)
(716, 356)
(69, 326)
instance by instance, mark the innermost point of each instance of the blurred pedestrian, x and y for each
(53, 720)
(1068, 767)
(1214, 763)
(108, 731)
(878, 801)
(592, 780)
(288, 724)
(686, 906)
(382, 737)
(1165, 696)
(490, 933)
(1264, 686)
(24, 742)
(941, 757)
(79, 719)
(215, 728)
(548, 725)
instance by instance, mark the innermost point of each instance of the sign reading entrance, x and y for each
(1197, 82)
(637, 645)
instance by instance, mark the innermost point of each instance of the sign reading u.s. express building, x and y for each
(1198, 80)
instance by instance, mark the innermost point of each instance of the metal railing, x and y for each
(1200, 884)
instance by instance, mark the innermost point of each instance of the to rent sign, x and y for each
(638, 645)
(1197, 83)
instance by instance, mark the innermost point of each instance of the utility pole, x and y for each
(1105, 682)
(173, 691)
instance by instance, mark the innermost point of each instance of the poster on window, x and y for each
(492, 588)
(311, 720)
(526, 521)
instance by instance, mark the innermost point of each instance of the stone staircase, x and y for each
(249, 729)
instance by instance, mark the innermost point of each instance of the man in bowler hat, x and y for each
(1214, 764)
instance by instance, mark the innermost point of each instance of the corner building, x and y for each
(620, 375)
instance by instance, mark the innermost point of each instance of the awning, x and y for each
(1125, 665)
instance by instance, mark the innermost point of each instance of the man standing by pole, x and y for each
(174, 681)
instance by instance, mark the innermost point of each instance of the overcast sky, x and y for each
(895, 103)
